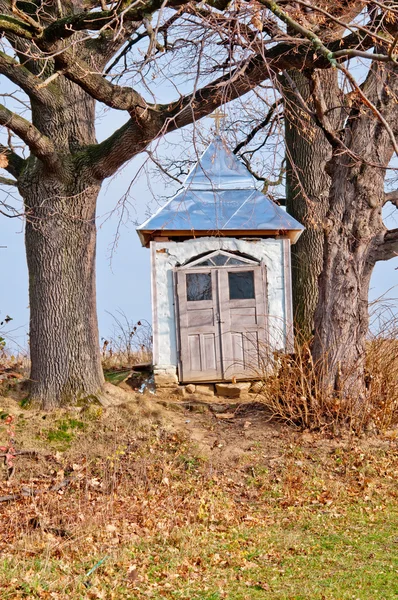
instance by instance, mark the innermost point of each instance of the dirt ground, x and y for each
(216, 429)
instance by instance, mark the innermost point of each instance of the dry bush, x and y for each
(382, 373)
(130, 343)
(294, 393)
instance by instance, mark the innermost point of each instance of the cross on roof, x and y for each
(218, 115)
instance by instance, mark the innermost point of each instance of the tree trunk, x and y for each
(353, 226)
(353, 235)
(307, 190)
(60, 246)
(342, 317)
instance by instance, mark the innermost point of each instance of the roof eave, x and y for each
(146, 236)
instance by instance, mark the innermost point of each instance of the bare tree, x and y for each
(67, 56)
(359, 121)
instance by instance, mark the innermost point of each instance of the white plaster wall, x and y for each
(167, 255)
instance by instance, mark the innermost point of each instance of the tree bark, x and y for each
(60, 246)
(307, 190)
(60, 239)
(342, 316)
(353, 232)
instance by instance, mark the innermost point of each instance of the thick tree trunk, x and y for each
(60, 246)
(307, 191)
(352, 228)
(354, 233)
(342, 317)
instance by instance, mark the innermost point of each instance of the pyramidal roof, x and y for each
(219, 195)
(218, 168)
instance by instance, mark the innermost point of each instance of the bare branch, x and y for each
(98, 20)
(389, 247)
(306, 33)
(40, 145)
(13, 163)
(124, 11)
(11, 25)
(353, 53)
(21, 76)
(258, 127)
(6, 181)
(392, 197)
(148, 122)
(115, 96)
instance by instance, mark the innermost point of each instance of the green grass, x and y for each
(64, 432)
(314, 556)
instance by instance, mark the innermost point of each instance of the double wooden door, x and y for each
(221, 320)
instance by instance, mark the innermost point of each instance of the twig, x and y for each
(95, 567)
(8, 181)
(22, 452)
(10, 498)
(28, 493)
(62, 484)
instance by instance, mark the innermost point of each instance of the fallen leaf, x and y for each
(132, 573)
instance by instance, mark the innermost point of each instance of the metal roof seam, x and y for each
(237, 210)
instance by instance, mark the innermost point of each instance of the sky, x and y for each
(123, 269)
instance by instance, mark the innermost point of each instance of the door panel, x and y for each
(195, 363)
(240, 316)
(242, 320)
(200, 352)
(209, 351)
(201, 317)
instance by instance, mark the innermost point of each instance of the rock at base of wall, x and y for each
(205, 389)
(190, 388)
(232, 390)
(179, 391)
(165, 377)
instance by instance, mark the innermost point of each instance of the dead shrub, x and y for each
(382, 376)
(294, 393)
(130, 343)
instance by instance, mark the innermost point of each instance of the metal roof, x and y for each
(219, 195)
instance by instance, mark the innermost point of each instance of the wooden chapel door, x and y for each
(221, 314)
(199, 327)
(242, 320)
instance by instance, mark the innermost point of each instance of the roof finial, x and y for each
(218, 115)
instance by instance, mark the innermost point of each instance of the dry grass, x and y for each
(294, 392)
(247, 510)
(130, 343)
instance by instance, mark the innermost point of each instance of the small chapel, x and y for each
(221, 275)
